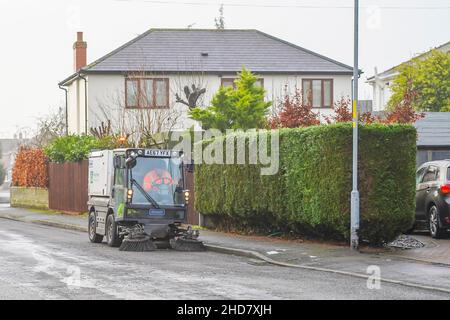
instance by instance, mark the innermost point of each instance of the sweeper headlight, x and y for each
(130, 194)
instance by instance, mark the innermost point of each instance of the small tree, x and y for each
(403, 111)
(368, 118)
(294, 113)
(342, 111)
(240, 108)
(429, 78)
(49, 127)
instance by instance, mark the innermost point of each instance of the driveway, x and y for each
(436, 250)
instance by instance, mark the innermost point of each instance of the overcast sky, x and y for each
(37, 36)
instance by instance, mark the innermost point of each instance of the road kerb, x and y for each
(421, 260)
(257, 255)
(48, 223)
(61, 225)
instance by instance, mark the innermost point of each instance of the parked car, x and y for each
(433, 196)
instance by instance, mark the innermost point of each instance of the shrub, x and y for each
(74, 148)
(311, 192)
(403, 111)
(30, 169)
(342, 111)
(294, 113)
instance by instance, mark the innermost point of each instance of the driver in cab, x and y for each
(158, 179)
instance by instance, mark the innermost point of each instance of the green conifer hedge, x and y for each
(311, 192)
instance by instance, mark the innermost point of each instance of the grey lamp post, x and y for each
(354, 219)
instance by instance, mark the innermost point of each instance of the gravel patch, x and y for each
(405, 242)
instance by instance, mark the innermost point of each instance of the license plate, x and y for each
(158, 153)
(157, 212)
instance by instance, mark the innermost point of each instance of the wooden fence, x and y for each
(68, 187)
(192, 215)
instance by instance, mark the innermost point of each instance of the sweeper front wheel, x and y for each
(112, 232)
(92, 229)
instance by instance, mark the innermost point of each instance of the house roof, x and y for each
(180, 50)
(434, 130)
(8, 145)
(393, 71)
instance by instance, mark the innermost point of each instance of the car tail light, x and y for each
(445, 189)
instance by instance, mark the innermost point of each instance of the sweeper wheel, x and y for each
(137, 244)
(189, 245)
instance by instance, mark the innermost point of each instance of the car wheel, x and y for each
(92, 229)
(112, 233)
(435, 231)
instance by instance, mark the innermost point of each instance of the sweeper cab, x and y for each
(138, 200)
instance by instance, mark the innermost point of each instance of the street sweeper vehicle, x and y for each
(138, 201)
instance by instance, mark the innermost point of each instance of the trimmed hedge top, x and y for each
(74, 148)
(311, 192)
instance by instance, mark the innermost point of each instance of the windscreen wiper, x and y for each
(145, 194)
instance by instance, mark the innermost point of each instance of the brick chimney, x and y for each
(79, 52)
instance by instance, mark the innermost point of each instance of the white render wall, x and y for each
(276, 86)
(106, 96)
(381, 94)
(76, 106)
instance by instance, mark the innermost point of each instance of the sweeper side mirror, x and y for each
(131, 161)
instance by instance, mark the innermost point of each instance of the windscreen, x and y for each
(161, 178)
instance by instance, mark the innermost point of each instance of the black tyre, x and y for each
(112, 232)
(433, 221)
(92, 229)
